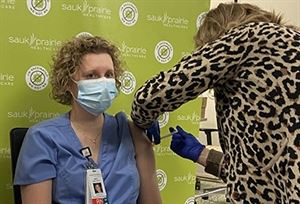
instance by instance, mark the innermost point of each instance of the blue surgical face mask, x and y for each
(96, 95)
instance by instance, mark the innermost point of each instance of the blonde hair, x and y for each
(226, 16)
(69, 58)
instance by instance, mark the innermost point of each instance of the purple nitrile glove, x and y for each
(153, 133)
(185, 144)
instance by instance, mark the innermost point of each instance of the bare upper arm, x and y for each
(139, 138)
(37, 193)
(145, 158)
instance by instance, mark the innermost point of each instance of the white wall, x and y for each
(215, 3)
(289, 8)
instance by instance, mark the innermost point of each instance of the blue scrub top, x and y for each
(51, 150)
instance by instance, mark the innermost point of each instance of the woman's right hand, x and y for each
(185, 144)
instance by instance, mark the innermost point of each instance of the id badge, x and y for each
(95, 189)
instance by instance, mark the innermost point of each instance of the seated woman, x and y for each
(52, 169)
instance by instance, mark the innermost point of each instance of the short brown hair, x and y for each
(69, 58)
(228, 15)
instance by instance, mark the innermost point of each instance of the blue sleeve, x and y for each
(37, 158)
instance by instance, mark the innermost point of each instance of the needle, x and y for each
(167, 135)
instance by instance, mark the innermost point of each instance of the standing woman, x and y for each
(52, 169)
(252, 61)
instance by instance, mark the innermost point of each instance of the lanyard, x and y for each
(95, 192)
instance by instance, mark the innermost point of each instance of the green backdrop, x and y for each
(152, 35)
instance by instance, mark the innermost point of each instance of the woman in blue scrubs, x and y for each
(52, 169)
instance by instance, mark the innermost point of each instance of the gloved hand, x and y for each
(185, 144)
(153, 133)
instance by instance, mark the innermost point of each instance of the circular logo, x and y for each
(200, 19)
(37, 78)
(39, 7)
(84, 34)
(128, 82)
(128, 14)
(163, 119)
(190, 200)
(163, 52)
(161, 179)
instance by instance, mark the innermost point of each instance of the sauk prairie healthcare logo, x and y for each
(189, 178)
(194, 118)
(200, 19)
(9, 186)
(35, 42)
(6, 79)
(161, 150)
(31, 115)
(39, 7)
(128, 14)
(88, 9)
(169, 21)
(7, 4)
(4, 153)
(190, 200)
(163, 52)
(161, 179)
(163, 119)
(128, 82)
(133, 51)
(84, 34)
(37, 78)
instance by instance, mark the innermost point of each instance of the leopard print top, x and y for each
(254, 70)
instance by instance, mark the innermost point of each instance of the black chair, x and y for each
(16, 139)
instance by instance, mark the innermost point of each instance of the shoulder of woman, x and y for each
(138, 135)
